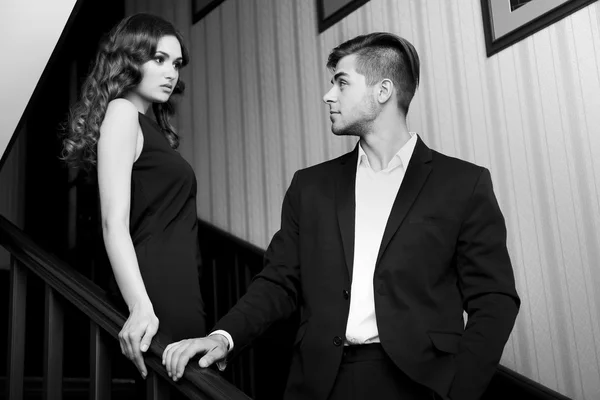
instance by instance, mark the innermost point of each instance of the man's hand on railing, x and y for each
(176, 356)
(136, 335)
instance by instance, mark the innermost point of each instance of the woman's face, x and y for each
(159, 75)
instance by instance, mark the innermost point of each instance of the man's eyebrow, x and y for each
(337, 76)
(167, 54)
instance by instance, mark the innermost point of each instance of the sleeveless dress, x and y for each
(164, 230)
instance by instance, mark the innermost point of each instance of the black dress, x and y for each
(164, 230)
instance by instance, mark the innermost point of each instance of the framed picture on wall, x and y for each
(330, 12)
(201, 8)
(505, 22)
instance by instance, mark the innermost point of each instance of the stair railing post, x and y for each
(156, 388)
(16, 330)
(53, 345)
(100, 368)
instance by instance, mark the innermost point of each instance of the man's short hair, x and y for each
(381, 56)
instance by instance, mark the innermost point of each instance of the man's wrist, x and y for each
(223, 336)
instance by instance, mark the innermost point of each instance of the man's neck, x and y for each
(384, 141)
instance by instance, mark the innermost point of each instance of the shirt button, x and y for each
(346, 294)
(337, 341)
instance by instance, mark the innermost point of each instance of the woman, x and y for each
(147, 190)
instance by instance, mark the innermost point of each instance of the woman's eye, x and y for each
(159, 59)
(177, 65)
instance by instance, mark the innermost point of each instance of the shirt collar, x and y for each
(402, 157)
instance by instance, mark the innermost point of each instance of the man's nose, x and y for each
(328, 97)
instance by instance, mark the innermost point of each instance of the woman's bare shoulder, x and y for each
(121, 115)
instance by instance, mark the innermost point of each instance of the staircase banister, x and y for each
(197, 383)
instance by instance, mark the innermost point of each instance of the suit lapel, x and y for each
(345, 204)
(416, 174)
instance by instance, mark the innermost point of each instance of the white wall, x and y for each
(530, 114)
(29, 31)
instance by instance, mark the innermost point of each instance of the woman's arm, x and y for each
(118, 148)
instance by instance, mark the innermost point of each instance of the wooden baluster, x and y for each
(156, 388)
(100, 368)
(53, 345)
(16, 331)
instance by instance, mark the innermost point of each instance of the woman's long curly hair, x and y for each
(116, 70)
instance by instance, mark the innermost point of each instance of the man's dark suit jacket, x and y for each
(443, 251)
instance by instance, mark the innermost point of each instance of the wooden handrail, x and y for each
(197, 383)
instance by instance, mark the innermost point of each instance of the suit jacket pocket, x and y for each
(446, 342)
(432, 220)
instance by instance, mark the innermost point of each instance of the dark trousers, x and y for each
(368, 373)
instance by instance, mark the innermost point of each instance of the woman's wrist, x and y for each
(143, 305)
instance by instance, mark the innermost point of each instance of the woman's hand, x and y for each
(136, 335)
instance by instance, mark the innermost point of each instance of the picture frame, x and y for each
(201, 8)
(329, 12)
(506, 22)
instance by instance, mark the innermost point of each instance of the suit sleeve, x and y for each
(274, 292)
(487, 286)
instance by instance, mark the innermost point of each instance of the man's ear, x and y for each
(385, 90)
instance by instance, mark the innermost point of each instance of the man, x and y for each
(381, 249)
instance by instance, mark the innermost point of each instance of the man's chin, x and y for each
(337, 131)
(343, 132)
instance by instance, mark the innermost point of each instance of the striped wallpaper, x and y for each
(531, 113)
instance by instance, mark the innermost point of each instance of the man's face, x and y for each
(352, 104)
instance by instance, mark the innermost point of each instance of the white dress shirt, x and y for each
(375, 194)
